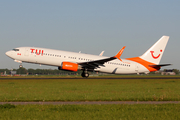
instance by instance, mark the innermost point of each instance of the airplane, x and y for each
(72, 61)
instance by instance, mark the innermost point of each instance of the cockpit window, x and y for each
(16, 49)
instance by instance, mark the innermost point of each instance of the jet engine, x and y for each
(69, 66)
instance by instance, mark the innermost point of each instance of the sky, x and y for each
(89, 26)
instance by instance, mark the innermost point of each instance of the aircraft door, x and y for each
(26, 52)
(137, 68)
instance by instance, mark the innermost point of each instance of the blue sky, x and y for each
(90, 26)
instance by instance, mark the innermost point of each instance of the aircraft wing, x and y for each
(97, 63)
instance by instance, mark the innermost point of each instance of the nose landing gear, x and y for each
(20, 66)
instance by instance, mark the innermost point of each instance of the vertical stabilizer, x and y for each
(155, 53)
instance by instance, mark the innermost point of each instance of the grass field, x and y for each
(94, 112)
(92, 76)
(90, 90)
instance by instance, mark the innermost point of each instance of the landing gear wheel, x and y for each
(85, 74)
(20, 66)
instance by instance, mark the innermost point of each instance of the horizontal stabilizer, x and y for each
(161, 65)
(158, 66)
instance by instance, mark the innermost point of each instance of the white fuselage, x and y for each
(56, 57)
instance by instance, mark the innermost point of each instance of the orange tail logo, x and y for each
(155, 57)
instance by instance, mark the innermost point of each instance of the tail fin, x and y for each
(155, 53)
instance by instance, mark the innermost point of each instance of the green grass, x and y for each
(93, 76)
(88, 112)
(90, 90)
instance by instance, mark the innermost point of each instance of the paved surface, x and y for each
(92, 102)
(31, 78)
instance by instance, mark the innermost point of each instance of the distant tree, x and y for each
(21, 70)
(152, 73)
(41, 71)
(3, 70)
(176, 71)
(31, 71)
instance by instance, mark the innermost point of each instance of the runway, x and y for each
(92, 102)
(40, 78)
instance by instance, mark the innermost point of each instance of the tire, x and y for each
(85, 75)
(20, 66)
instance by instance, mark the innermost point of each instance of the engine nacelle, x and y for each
(69, 66)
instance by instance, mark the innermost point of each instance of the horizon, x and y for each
(90, 27)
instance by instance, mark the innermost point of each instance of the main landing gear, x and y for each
(85, 74)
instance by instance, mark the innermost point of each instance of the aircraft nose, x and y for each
(8, 53)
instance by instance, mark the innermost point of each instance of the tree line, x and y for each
(56, 71)
(38, 71)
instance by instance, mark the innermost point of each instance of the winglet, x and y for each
(101, 53)
(118, 55)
